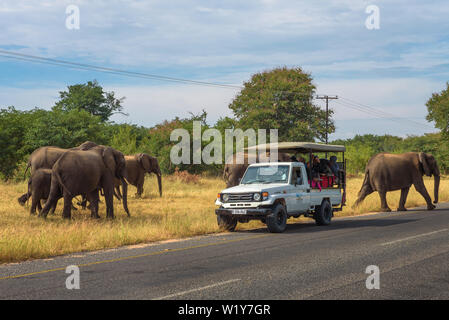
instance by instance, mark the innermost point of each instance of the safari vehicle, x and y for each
(272, 192)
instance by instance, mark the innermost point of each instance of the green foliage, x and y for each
(64, 129)
(91, 98)
(24, 131)
(129, 139)
(438, 110)
(160, 144)
(282, 99)
(12, 128)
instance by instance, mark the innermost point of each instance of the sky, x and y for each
(394, 69)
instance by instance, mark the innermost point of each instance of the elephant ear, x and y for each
(155, 165)
(109, 160)
(425, 165)
(144, 161)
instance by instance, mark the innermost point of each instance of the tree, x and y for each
(13, 124)
(129, 139)
(65, 129)
(91, 98)
(282, 99)
(438, 110)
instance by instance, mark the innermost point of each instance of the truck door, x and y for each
(300, 201)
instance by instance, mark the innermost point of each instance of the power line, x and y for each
(58, 62)
(381, 113)
(87, 67)
(377, 115)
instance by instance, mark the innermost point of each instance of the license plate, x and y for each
(238, 211)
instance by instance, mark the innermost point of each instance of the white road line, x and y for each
(197, 289)
(413, 237)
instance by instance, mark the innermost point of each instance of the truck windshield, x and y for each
(266, 174)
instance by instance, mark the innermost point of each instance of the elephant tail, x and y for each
(365, 190)
(26, 169)
(58, 177)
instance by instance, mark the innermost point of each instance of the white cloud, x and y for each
(395, 68)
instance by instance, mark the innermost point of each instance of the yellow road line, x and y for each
(135, 257)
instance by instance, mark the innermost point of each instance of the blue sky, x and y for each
(394, 69)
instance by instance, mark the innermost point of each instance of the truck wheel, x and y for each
(277, 221)
(323, 214)
(226, 222)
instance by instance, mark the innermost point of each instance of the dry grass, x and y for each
(186, 209)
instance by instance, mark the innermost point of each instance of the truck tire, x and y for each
(323, 214)
(277, 221)
(226, 222)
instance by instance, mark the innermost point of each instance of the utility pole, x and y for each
(327, 98)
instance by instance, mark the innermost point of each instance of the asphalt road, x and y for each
(410, 249)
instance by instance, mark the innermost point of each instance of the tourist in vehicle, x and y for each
(333, 165)
(325, 167)
(315, 172)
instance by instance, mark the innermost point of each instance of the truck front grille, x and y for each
(241, 197)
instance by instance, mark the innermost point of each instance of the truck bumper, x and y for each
(253, 213)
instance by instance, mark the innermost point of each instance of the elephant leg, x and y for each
(108, 195)
(34, 203)
(108, 189)
(53, 197)
(93, 199)
(39, 205)
(421, 188)
(139, 190)
(83, 203)
(53, 207)
(383, 201)
(23, 198)
(403, 200)
(67, 211)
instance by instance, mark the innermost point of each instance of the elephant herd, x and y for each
(90, 169)
(87, 171)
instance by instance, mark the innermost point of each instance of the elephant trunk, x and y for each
(159, 181)
(125, 196)
(436, 187)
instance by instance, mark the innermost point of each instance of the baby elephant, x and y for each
(38, 189)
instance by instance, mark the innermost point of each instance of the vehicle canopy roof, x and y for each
(299, 147)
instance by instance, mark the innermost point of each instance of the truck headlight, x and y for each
(225, 197)
(257, 197)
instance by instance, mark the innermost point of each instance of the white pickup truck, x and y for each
(275, 191)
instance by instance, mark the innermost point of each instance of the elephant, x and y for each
(136, 167)
(233, 172)
(41, 158)
(120, 173)
(79, 172)
(45, 158)
(39, 189)
(387, 172)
